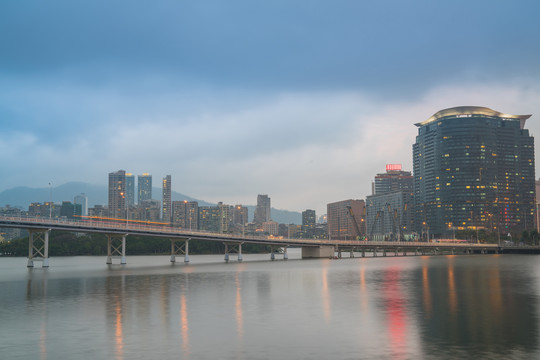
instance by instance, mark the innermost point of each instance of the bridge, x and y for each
(39, 229)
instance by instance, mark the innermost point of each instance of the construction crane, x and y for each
(373, 226)
(355, 224)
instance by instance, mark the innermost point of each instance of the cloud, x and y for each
(302, 149)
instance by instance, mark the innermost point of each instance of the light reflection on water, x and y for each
(484, 306)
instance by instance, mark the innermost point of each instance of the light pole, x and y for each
(50, 201)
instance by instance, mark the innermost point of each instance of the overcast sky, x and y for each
(302, 100)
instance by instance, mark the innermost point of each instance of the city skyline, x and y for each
(237, 99)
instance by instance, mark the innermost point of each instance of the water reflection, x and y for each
(414, 307)
(325, 291)
(426, 293)
(478, 307)
(184, 325)
(396, 312)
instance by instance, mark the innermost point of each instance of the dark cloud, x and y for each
(298, 45)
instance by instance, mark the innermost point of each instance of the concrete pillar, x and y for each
(285, 255)
(226, 253)
(109, 252)
(30, 249)
(123, 261)
(240, 258)
(173, 251)
(186, 251)
(46, 250)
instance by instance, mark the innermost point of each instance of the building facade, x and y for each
(167, 200)
(144, 187)
(393, 180)
(473, 168)
(130, 189)
(82, 200)
(346, 220)
(390, 216)
(117, 194)
(185, 214)
(262, 210)
(308, 219)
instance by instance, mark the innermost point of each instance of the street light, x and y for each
(50, 201)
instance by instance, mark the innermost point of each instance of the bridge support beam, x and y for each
(233, 249)
(318, 252)
(180, 249)
(116, 248)
(38, 247)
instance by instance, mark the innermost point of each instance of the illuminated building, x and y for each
(537, 204)
(393, 180)
(389, 211)
(185, 214)
(473, 168)
(117, 194)
(130, 189)
(346, 219)
(209, 218)
(308, 219)
(270, 227)
(144, 187)
(262, 210)
(166, 201)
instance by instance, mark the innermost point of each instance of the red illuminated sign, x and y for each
(393, 167)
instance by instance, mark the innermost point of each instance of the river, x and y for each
(414, 307)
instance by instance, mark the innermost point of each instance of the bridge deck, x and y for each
(171, 232)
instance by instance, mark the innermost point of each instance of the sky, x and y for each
(305, 101)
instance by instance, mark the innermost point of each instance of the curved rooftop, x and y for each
(472, 110)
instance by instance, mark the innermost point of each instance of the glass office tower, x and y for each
(473, 168)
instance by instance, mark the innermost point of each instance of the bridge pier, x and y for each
(278, 250)
(351, 255)
(38, 247)
(318, 252)
(182, 249)
(116, 248)
(234, 249)
(363, 253)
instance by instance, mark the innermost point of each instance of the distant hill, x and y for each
(97, 194)
(23, 196)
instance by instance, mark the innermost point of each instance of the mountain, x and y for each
(23, 196)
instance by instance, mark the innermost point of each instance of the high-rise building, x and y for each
(308, 219)
(166, 201)
(185, 214)
(239, 215)
(130, 189)
(390, 216)
(83, 201)
(117, 194)
(473, 168)
(209, 218)
(346, 219)
(144, 187)
(262, 210)
(70, 210)
(393, 180)
(537, 204)
(389, 211)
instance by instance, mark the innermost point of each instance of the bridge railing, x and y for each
(153, 229)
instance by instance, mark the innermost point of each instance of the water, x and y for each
(475, 306)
